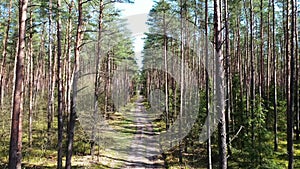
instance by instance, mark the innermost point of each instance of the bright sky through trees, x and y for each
(136, 14)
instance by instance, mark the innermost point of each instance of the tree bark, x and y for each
(274, 77)
(69, 69)
(207, 90)
(71, 126)
(30, 77)
(50, 66)
(182, 13)
(297, 92)
(97, 77)
(290, 83)
(15, 149)
(227, 65)
(252, 80)
(59, 90)
(220, 85)
(165, 52)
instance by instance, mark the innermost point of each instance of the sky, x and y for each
(136, 14)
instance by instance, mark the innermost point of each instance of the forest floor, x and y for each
(131, 146)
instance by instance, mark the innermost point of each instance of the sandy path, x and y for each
(143, 148)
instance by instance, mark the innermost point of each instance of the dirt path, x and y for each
(143, 149)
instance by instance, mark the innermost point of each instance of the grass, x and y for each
(43, 152)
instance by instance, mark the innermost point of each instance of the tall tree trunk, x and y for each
(71, 126)
(261, 69)
(227, 67)
(59, 89)
(207, 90)
(290, 82)
(30, 76)
(274, 77)
(252, 80)
(261, 77)
(165, 54)
(269, 57)
(297, 100)
(15, 149)
(97, 77)
(240, 68)
(182, 13)
(220, 100)
(69, 69)
(50, 60)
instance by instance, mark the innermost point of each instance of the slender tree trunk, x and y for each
(59, 90)
(69, 69)
(97, 77)
(297, 100)
(227, 65)
(220, 101)
(274, 77)
(15, 149)
(30, 76)
(15, 72)
(252, 80)
(50, 60)
(269, 56)
(71, 127)
(165, 52)
(182, 2)
(96, 96)
(106, 85)
(207, 91)
(241, 70)
(261, 77)
(261, 74)
(290, 83)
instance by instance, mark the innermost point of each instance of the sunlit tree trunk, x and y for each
(220, 100)
(15, 149)
(30, 78)
(227, 74)
(182, 3)
(69, 54)
(71, 126)
(97, 76)
(165, 51)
